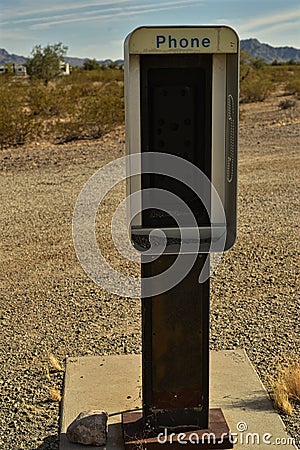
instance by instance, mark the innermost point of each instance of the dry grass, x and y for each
(55, 364)
(292, 379)
(281, 398)
(55, 395)
(47, 374)
(286, 388)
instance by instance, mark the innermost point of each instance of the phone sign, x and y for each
(183, 40)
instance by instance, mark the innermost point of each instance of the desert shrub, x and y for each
(257, 81)
(245, 58)
(255, 87)
(83, 106)
(83, 77)
(287, 104)
(100, 113)
(109, 75)
(47, 101)
(285, 77)
(293, 87)
(17, 122)
(94, 112)
(251, 87)
(278, 74)
(91, 64)
(258, 63)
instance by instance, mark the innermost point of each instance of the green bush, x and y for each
(44, 63)
(91, 64)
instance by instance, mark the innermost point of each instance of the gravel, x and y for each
(50, 306)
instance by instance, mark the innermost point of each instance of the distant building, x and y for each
(3, 70)
(19, 70)
(64, 67)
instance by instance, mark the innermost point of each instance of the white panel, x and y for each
(218, 129)
(133, 125)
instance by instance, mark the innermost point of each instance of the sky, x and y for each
(97, 29)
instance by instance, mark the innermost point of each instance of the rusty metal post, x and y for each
(175, 356)
(175, 350)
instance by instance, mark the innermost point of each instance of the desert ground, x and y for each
(50, 306)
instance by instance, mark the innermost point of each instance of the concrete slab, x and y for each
(114, 383)
(236, 388)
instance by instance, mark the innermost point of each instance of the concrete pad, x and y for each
(236, 388)
(114, 383)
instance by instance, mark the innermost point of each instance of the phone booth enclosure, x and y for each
(183, 100)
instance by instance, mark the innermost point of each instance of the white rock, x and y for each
(89, 428)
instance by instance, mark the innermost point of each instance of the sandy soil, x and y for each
(49, 306)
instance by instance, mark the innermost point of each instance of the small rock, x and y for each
(89, 428)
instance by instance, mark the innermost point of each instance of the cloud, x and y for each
(280, 20)
(11, 12)
(293, 24)
(17, 35)
(116, 12)
(69, 12)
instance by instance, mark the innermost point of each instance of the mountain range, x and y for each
(252, 46)
(269, 53)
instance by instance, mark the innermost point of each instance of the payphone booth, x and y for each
(181, 100)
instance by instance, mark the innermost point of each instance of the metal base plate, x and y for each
(217, 436)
